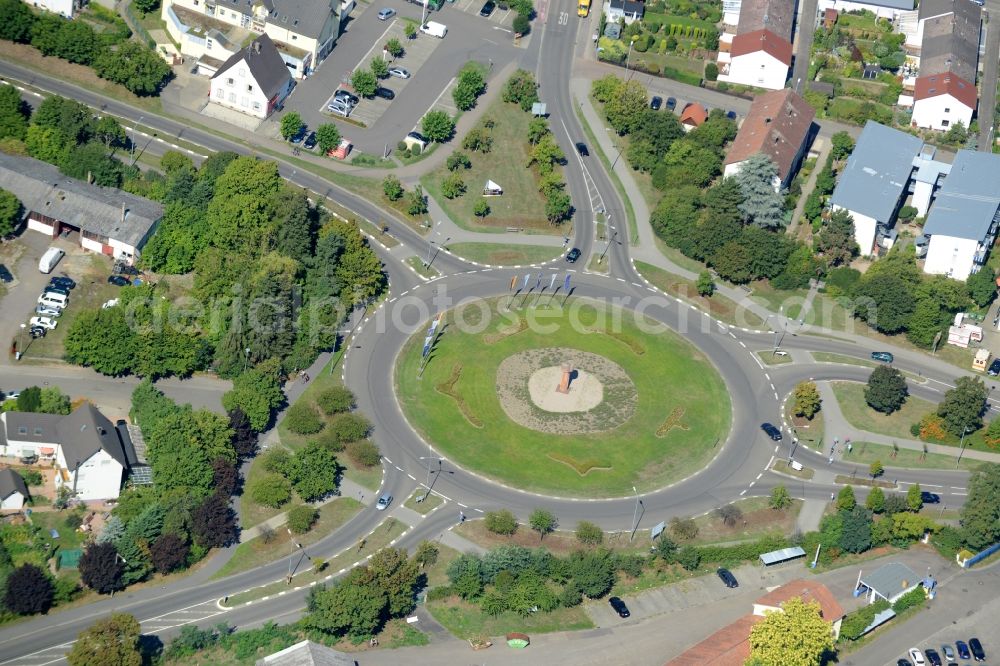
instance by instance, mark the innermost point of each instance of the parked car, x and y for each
(771, 431)
(340, 105)
(903, 662)
(581, 148)
(727, 577)
(399, 73)
(933, 658)
(47, 311)
(487, 9)
(346, 95)
(994, 368)
(916, 657)
(298, 136)
(44, 322)
(118, 280)
(36, 332)
(384, 93)
(948, 652)
(731, 115)
(383, 502)
(929, 498)
(573, 255)
(56, 290)
(619, 606)
(386, 14)
(977, 649)
(62, 281)
(884, 357)
(418, 137)
(310, 141)
(963, 650)
(656, 103)
(671, 103)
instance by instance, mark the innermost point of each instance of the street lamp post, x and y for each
(965, 431)
(292, 545)
(635, 514)
(246, 359)
(135, 129)
(428, 484)
(20, 344)
(610, 241)
(627, 58)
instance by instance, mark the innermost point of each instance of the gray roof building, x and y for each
(80, 434)
(306, 17)
(951, 41)
(103, 211)
(904, 5)
(264, 63)
(307, 653)
(774, 15)
(10, 483)
(890, 581)
(968, 201)
(877, 172)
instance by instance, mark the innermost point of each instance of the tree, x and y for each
(101, 568)
(416, 202)
(666, 548)
(452, 186)
(110, 132)
(542, 521)
(353, 606)
(982, 286)
(327, 137)
(537, 128)
(875, 502)
(168, 552)
(925, 322)
(856, 530)
(521, 89)
(364, 82)
(836, 240)
(593, 572)
(914, 498)
(626, 110)
(398, 576)
(875, 469)
(545, 154)
(886, 389)
(244, 438)
(557, 207)
(53, 401)
(28, 591)
(314, 472)
(481, 208)
(501, 522)
(470, 86)
(335, 400)
(379, 67)
(135, 66)
(780, 499)
(963, 406)
(478, 140)
(111, 641)
(394, 48)
(729, 514)
(291, 124)
(807, 400)
(689, 558)
(711, 71)
(521, 24)
(683, 528)
(885, 302)
(29, 400)
(761, 206)
(240, 216)
(301, 518)
(705, 284)
(426, 554)
(410, 30)
(843, 145)
(845, 499)
(438, 126)
(13, 114)
(980, 516)
(302, 419)
(588, 533)
(350, 427)
(15, 21)
(392, 188)
(797, 635)
(458, 160)
(256, 393)
(213, 523)
(272, 490)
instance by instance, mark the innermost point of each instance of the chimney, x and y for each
(124, 212)
(256, 47)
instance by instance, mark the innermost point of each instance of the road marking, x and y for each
(464, 506)
(411, 476)
(931, 485)
(762, 473)
(957, 488)
(743, 493)
(563, 18)
(959, 493)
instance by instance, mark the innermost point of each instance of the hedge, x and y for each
(743, 551)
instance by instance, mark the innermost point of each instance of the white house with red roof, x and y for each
(760, 53)
(941, 100)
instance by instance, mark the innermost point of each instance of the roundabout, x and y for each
(574, 398)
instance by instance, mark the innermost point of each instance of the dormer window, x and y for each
(22, 430)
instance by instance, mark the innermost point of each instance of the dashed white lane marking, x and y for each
(931, 485)
(398, 467)
(762, 473)
(464, 506)
(960, 493)
(743, 344)
(957, 488)
(479, 510)
(775, 395)
(744, 492)
(767, 376)
(411, 476)
(751, 485)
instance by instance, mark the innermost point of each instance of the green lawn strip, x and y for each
(717, 305)
(670, 377)
(561, 542)
(417, 264)
(378, 539)
(650, 578)
(776, 299)
(851, 396)
(437, 573)
(809, 431)
(831, 357)
(633, 228)
(598, 266)
(768, 357)
(412, 159)
(862, 481)
(782, 467)
(251, 513)
(255, 552)
(867, 452)
(758, 520)
(425, 504)
(465, 620)
(504, 255)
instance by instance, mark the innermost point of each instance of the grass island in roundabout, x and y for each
(643, 407)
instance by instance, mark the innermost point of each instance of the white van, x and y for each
(54, 300)
(50, 259)
(434, 29)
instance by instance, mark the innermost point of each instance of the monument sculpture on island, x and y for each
(567, 372)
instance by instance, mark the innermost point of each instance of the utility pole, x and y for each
(608, 245)
(428, 484)
(135, 128)
(635, 514)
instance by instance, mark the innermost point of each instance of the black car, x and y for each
(929, 498)
(619, 606)
(933, 658)
(573, 255)
(346, 96)
(299, 136)
(487, 9)
(384, 93)
(771, 431)
(671, 103)
(977, 649)
(656, 103)
(903, 662)
(963, 650)
(885, 357)
(731, 115)
(727, 577)
(62, 282)
(994, 368)
(118, 281)
(310, 141)
(582, 149)
(37, 332)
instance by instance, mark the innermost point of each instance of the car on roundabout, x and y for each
(884, 357)
(383, 502)
(573, 255)
(771, 431)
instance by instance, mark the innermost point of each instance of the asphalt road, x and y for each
(988, 81)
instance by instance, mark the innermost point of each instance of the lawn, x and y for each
(505, 255)
(867, 452)
(465, 620)
(672, 406)
(423, 503)
(521, 204)
(719, 306)
(562, 542)
(782, 467)
(851, 397)
(768, 357)
(758, 520)
(809, 431)
(417, 264)
(255, 552)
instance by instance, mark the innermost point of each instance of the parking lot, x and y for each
(501, 18)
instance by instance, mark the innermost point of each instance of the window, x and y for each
(232, 98)
(208, 43)
(294, 37)
(229, 82)
(220, 93)
(947, 110)
(38, 431)
(945, 123)
(256, 106)
(22, 430)
(249, 88)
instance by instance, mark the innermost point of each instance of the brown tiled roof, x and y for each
(774, 15)
(762, 40)
(807, 590)
(946, 84)
(777, 124)
(694, 114)
(951, 41)
(729, 646)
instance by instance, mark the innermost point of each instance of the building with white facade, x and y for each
(875, 182)
(942, 100)
(109, 221)
(760, 53)
(888, 9)
(13, 490)
(67, 8)
(90, 456)
(254, 80)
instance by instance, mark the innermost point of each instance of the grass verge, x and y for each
(868, 452)
(499, 254)
(768, 357)
(782, 467)
(421, 504)
(417, 264)
(851, 396)
(561, 542)
(465, 620)
(856, 481)
(717, 305)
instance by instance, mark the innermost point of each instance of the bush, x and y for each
(272, 490)
(350, 427)
(501, 522)
(742, 552)
(912, 598)
(278, 461)
(32, 477)
(711, 72)
(588, 533)
(458, 160)
(521, 24)
(683, 528)
(364, 453)
(302, 419)
(335, 400)
(689, 558)
(301, 518)
(329, 439)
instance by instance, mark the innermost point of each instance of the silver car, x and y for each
(383, 502)
(399, 72)
(340, 107)
(47, 310)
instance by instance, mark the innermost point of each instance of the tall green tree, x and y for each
(364, 82)
(795, 636)
(925, 323)
(886, 389)
(14, 112)
(963, 406)
(241, 215)
(807, 400)
(135, 66)
(856, 529)
(982, 285)
(875, 502)
(354, 606)
(469, 87)
(980, 516)
(111, 641)
(914, 498)
(11, 210)
(438, 126)
(836, 239)
(846, 500)
(542, 521)
(327, 137)
(314, 472)
(16, 20)
(762, 205)
(843, 145)
(521, 89)
(625, 110)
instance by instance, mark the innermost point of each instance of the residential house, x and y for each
(307, 653)
(66, 8)
(88, 453)
(629, 10)
(760, 53)
(962, 223)
(888, 9)
(693, 115)
(108, 220)
(13, 490)
(809, 591)
(779, 125)
(875, 182)
(303, 31)
(254, 80)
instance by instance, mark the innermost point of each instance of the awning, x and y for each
(47, 450)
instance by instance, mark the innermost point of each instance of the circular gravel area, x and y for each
(602, 397)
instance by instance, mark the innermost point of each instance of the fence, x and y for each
(982, 555)
(133, 22)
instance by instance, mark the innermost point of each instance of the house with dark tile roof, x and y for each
(13, 490)
(254, 80)
(760, 53)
